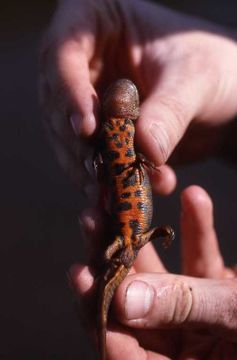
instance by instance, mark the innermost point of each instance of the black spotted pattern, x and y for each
(109, 126)
(122, 128)
(124, 206)
(119, 144)
(110, 138)
(130, 180)
(128, 122)
(125, 195)
(136, 227)
(115, 136)
(113, 155)
(138, 193)
(119, 168)
(142, 206)
(130, 152)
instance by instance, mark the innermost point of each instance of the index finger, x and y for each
(148, 260)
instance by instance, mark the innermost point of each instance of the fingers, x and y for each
(68, 112)
(65, 71)
(94, 231)
(68, 99)
(91, 223)
(166, 114)
(156, 300)
(69, 46)
(200, 251)
(81, 281)
(188, 82)
(152, 300)
(72, 165)
(163, 181)
(74, 73)
(148, 260)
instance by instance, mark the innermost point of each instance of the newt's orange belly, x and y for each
(132, 203)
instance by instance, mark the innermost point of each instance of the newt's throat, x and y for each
(120, 143)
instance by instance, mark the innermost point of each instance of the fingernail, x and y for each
(139, 300)
(76, 124)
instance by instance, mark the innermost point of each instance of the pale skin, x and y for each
(186, 72)
(167, 316)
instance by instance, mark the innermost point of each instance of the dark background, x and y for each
(38, 205)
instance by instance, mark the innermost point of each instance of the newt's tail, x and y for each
(109, 283)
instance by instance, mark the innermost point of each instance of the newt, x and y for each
(130, 194)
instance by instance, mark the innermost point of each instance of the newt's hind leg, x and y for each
(164, 232)
(113, 248)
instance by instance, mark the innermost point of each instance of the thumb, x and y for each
(165, 115)
(156, 300)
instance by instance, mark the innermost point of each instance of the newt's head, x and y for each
(121, 100)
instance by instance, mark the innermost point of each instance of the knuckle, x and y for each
(181, 302)
(174, 301)
(230, 312)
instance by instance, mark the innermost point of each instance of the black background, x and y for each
(39, 206)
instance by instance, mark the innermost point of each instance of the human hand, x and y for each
(158, 315)
(185, 70)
